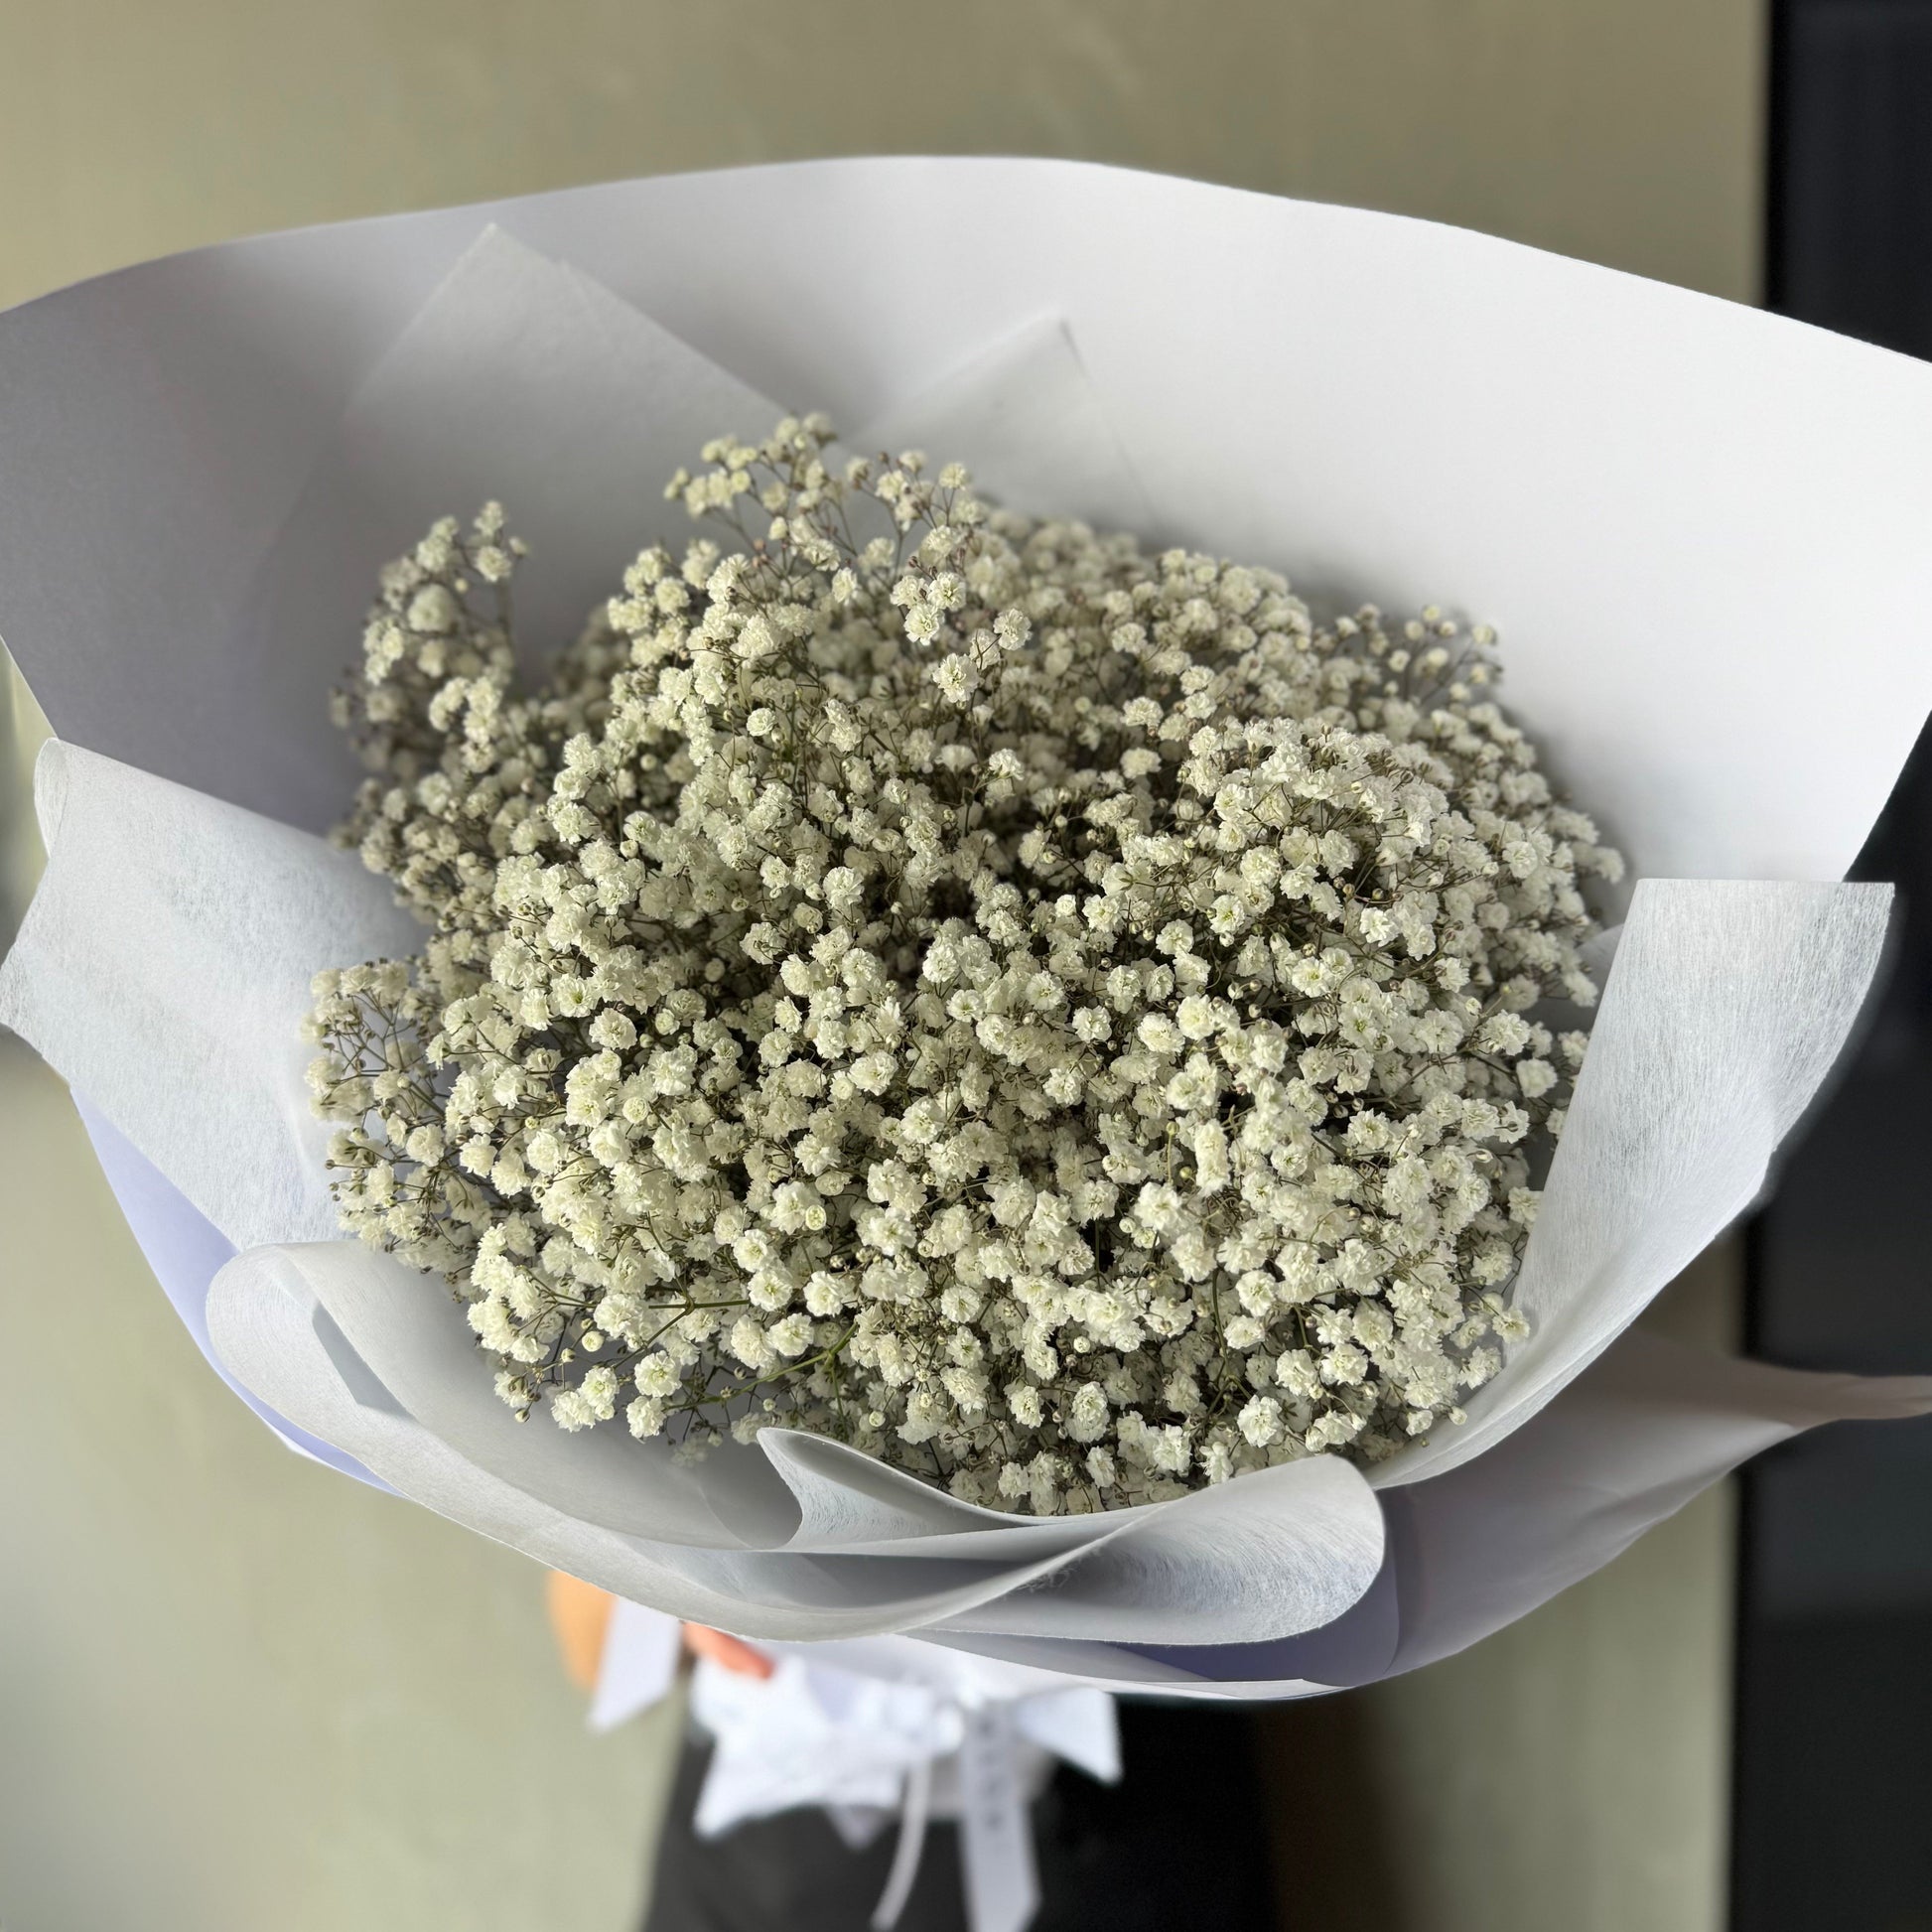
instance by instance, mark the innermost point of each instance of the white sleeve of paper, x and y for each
(1643, 1431)
(1287, 1550)
(1727, 1005)
(186, 1250)
(272, 1333)
(520, 381)
(1029, 426)
(1661, 501)
(1651, 1426)
(163, 970)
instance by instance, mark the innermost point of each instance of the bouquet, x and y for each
(990, 1070)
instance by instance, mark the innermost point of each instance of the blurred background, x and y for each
(237, 1693)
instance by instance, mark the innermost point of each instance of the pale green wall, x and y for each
(240, 1695)
(1567, 1775)
(1625, 132)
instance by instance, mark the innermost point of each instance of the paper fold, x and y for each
(163, 970)
(1727, 1005)
(1219, 1564)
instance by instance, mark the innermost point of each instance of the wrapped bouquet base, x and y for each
(1697, 528)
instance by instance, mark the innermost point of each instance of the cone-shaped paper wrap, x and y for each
(1697, 529)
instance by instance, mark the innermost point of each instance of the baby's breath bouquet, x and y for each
(1018, 1091)
(1055, 1018)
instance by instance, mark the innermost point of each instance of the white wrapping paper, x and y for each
(1669, 505)
(1664, 501)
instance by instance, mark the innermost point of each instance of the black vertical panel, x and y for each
(1833, 1820)
(1851, 160)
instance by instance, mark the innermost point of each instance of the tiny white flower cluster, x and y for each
(1055, 1018)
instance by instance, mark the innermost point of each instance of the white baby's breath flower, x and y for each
(1060, 1019)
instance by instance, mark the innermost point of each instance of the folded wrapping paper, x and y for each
(1665, 502)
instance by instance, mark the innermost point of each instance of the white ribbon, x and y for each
(996, 1838)
(996, 1841)
(915, 1810)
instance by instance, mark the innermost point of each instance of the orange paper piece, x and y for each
(580, 1615)
(731, 1653)
(580, 1619)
